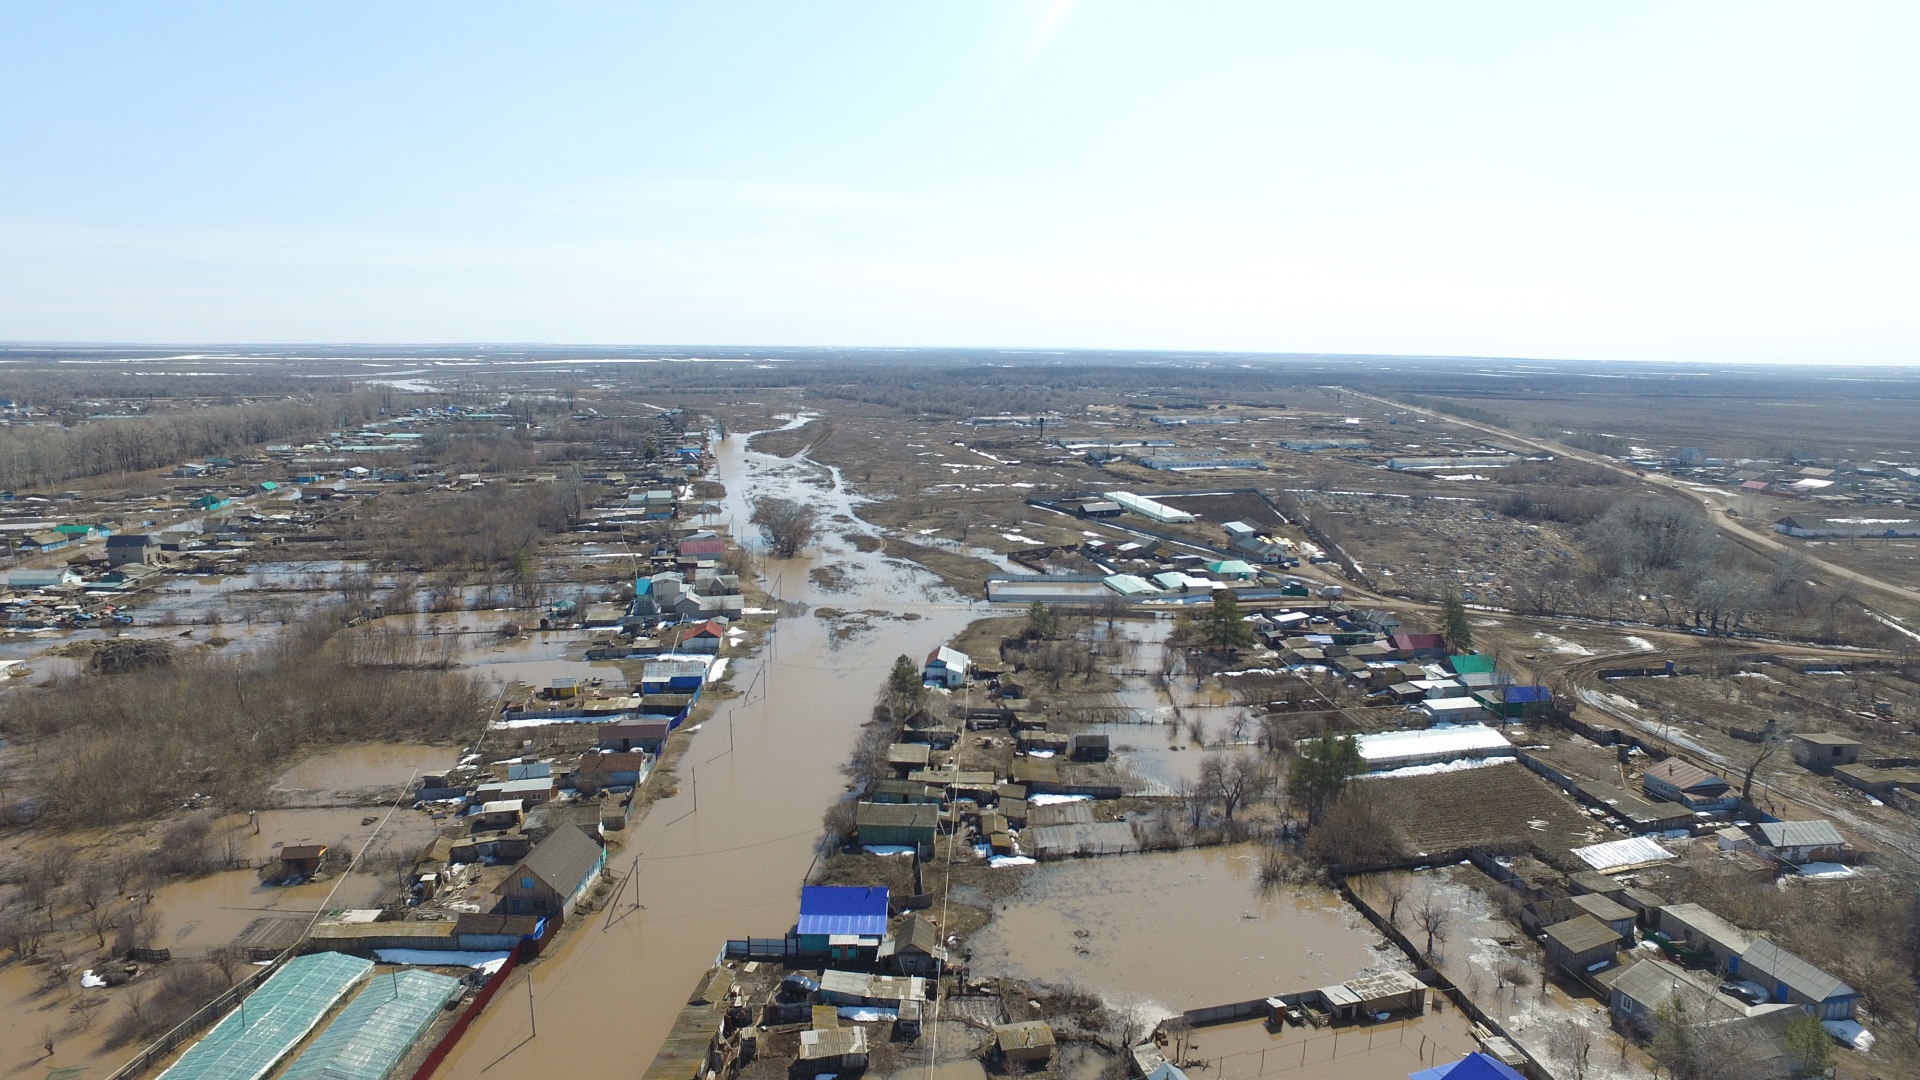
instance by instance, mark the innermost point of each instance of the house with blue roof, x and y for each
(1474, 1066)
(845, 922)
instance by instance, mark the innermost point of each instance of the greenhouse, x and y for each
(376, 1029)
(249, 1041)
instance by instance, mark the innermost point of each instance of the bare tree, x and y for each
(787, 526)
(1572, 1043)
(1761, 755)
(1235, 781)
(1394, 889)
(1434, 917)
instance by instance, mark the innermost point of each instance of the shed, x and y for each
(835, 1049)
(648, 735)
(1689, 785)
(302, 860)
(495, 932)
(1618, 917)
(859, 988)
(896, 823)
(1090, 748)
(1821, 750)
(1803, 841)
(1787, 978)
(1417, 646)
(908, 758)
(1471, 664)
(504, 814)
(1389, 992)
(1027, 1042)
(1582, 945)
(1592, 881)
(604, 770)
(902, 791)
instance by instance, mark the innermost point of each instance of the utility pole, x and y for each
(530, 1018)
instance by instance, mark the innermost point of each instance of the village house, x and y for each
(1801, 842)
(914, 948)
(896, 824)
(127, 548)
(1417, 646)
(1689, 785)
(606, 770)
(554, 876)
(704, 637)
(947, 667)
(672, 676)
(532, 790)
(1789, 979)
(1822, 750)
(841, 921)
(1698, 930)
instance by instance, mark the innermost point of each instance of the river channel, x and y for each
(725, 857)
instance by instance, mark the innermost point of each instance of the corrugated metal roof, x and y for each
(1708, 925)
(1817, 833)
(841, 909)
(1621, 854)
(1763, 957)
(1686, 777)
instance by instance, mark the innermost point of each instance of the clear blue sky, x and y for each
(1696, 181)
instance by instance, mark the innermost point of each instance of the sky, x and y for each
(1623, 181)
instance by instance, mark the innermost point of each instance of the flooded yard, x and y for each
(1165, 932)
(365, 768)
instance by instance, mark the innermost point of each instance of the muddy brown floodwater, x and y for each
(1170, 931)
(605, 999)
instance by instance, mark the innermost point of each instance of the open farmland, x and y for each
(1495, 806)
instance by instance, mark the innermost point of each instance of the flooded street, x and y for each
(1166, 932)
(607, 996)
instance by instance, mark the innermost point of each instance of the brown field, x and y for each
(1499, 805)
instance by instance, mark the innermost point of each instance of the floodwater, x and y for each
(192, 916)
(1387, 1051)
(725, 857)
(1166, 932)
(365, 767)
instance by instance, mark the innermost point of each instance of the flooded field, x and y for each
(364, 768)
(1165, 932)
(734, 865)
(1388, 1051)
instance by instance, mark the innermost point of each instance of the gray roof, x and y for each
(906, 815)
(564, 860)
(1602, 908)
(1707, 925)
(1763, 957)
(1652, 983)
(1583, 934)
(1817, 833)
(1825, 738)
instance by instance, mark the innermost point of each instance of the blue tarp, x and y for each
(839, 909)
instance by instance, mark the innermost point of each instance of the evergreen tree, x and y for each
(1455, 627)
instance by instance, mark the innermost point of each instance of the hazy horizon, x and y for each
(1717, 183)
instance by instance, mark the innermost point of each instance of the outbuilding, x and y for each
(1789, 979)
(1582, 945)
(1823, 750)
(1689, 785)
(1800, 842)
(1026, 1043)
(1698, 930)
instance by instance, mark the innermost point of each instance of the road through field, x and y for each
(1716, 512)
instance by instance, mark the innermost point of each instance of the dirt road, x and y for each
(1716, 511)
